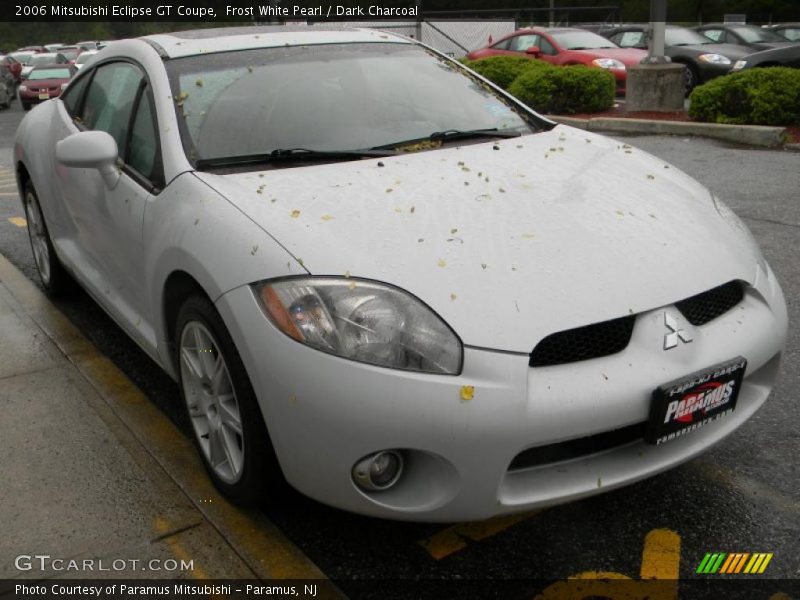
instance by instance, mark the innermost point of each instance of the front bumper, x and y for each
(325, 413)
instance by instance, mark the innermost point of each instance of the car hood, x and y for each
(731, 51)
(627, 56)
(508, 241)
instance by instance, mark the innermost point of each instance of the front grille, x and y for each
(583, 343)
(702, 308)
(553, 453)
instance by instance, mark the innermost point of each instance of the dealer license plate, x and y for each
(681, 406)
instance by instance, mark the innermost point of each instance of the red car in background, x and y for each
(565, 46)
(44, 83)
(13, 65)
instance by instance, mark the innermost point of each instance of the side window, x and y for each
(72, 95)
(523, 42)
(143, 144)
(714, 34)
(502, 45)
(109, 100)
(546, 47)
(630, 39)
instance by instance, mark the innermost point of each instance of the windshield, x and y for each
(756, 34)
(333, 97)
(23, 58)
(37, 74)
(70, 53)
(678, 36)
(581, 40)
(42, 59)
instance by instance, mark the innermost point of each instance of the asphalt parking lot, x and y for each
(743, 496)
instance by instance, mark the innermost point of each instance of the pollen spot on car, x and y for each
(604, 376)
(620, 213)
(199, 83)
(528, 236)
(380, 163)
(466, 183)
(420, 240)
(666, 166)
(412, 209)
(326, 218)
(466, 169)
(196, 221)
(295, 214)
(599, 482)
(501, 190)
(441, 263)
(454, 230)
(453, 297)
(467, 393)
(484, 266)
(652, 216)
(254, 250)
(495, 147)
(651, 176)
(293, 399)
(398, 209)
(389, 190)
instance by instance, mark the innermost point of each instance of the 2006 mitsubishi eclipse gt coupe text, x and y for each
(377, 275)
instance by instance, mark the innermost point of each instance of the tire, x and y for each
(221, 407)
(691, 78)
(55, 279)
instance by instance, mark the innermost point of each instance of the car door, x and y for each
(107, 222)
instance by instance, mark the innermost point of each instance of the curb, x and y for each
(752, 135)
(259, 543)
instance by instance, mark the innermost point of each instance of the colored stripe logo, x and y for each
(734, 563)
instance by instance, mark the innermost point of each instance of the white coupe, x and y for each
(379, 276)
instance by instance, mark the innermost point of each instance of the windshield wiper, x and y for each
(454, 134)
(289, 154)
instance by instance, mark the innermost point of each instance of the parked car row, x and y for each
(707, 51)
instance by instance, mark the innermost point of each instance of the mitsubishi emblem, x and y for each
(674, 334)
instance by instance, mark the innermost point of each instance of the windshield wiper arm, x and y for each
(453, 134)
(289, 154)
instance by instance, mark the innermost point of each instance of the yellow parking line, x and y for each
(661, 557)
(177, 549)
(452, 539)
(18, 221)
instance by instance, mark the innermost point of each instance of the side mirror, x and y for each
(533, 50)
(91, 150)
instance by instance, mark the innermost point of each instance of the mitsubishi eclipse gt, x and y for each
(381, 278)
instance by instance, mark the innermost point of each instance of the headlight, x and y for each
(716, 59)
(362, 320)
(739, 65)
(608, 63)
(23, 88)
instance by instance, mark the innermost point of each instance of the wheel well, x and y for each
(178, 287)
(23, 177)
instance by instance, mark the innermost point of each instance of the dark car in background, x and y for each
(750, 36)
(44, 83)
(71, 52)
(703, 58)
(788, 56)
(562, 46)
(790, 31)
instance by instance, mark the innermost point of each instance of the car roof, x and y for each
(225, 39)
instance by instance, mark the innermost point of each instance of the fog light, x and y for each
(378, 471)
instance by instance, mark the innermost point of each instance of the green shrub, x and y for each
(502, 70)
(767, 96)
(559, 90)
